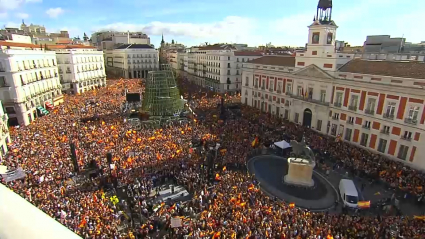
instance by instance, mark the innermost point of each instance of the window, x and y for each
(279, 87)
(296, 117)
(402, 152)
(319, 125)
(350, 120)
(300, 91)
(390, 110)
(243, 59)
(363, 139)
(289, 88)
(407, 135)
(336, 116)
(310, 93)
(228, 87)
(228, 64)
(386, 129)
(3, 81)
(228, 58)
(413, 113)
(366, 125)
(382, 145)
(338, 99)
(348, 133)
(353, 102)
(237, 59)
(246, 81)
(10, 110)
(228, 72)
(271, 85)
(322, 95)
(333, 129)
(370, 108)
(22, 80)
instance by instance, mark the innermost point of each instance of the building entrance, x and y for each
(307, 118)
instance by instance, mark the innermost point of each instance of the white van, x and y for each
(348, 192)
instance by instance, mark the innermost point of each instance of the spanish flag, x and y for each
(419, 217)
(363, 204)
(217, 177)
(63, 190)
(291, 205)
(217, 235)
(255, 142)
(83, 222)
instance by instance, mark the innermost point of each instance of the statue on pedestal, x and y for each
(301, 150)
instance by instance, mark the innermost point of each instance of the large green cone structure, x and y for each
(162, 97)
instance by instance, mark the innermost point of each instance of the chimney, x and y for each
(128, 37)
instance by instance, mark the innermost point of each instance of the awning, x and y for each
(282, 144)
(43, 110)
(49, 105)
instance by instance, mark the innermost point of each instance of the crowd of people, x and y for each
(233, 207)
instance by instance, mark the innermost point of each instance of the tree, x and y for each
(172, 41)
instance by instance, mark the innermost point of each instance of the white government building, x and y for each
(29, 81)
(4, 132)
(81, 68)
(216, 66)
(374, 101)
(132, 60)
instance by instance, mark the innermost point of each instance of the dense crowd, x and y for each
(232, 208)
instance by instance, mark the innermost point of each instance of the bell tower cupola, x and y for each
(321, 37)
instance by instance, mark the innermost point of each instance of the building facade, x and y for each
(29, 82)
(374, 104)
(216, 66)
(109, 40)
(132, 60)
(4, 132)
(81, 68)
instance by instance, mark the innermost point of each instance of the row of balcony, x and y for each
(40, 92)
(80, 71)
(31, 67)
(137, 56)
(141, 62)
(31, 80)
(270, 99)
(78, 61)
(386, 115)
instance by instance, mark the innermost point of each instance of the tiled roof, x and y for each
(54, 47)
(135, 46)
(248, 53)
(275, 61)
(18, 44)
(216, 47)
(63, 41)
(408, 69)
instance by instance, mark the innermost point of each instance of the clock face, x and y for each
(330, 38)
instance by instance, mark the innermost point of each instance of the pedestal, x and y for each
(300, 172)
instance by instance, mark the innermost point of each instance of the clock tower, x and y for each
(321, 35)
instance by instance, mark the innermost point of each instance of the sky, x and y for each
(280, 22)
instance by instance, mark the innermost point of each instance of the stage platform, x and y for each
(165, 194)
